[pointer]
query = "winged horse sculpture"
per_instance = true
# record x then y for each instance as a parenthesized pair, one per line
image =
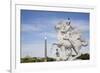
(68, 38)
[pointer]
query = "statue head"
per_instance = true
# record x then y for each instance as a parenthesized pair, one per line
(68, 21)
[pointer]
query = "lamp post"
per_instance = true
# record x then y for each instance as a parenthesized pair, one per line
(45, 48)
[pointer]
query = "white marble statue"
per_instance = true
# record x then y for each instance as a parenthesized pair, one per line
(68, 38)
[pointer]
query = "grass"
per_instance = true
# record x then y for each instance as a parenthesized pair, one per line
(84, 56)
(48, 59)
(35, 59)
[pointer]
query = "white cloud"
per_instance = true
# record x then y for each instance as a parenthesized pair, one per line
(35, 49)
(28, 28)
(48, 34)
(81, 25)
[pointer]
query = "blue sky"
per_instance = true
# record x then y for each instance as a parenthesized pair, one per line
(35, 25)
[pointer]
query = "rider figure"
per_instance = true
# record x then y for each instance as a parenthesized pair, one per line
(62, 28)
